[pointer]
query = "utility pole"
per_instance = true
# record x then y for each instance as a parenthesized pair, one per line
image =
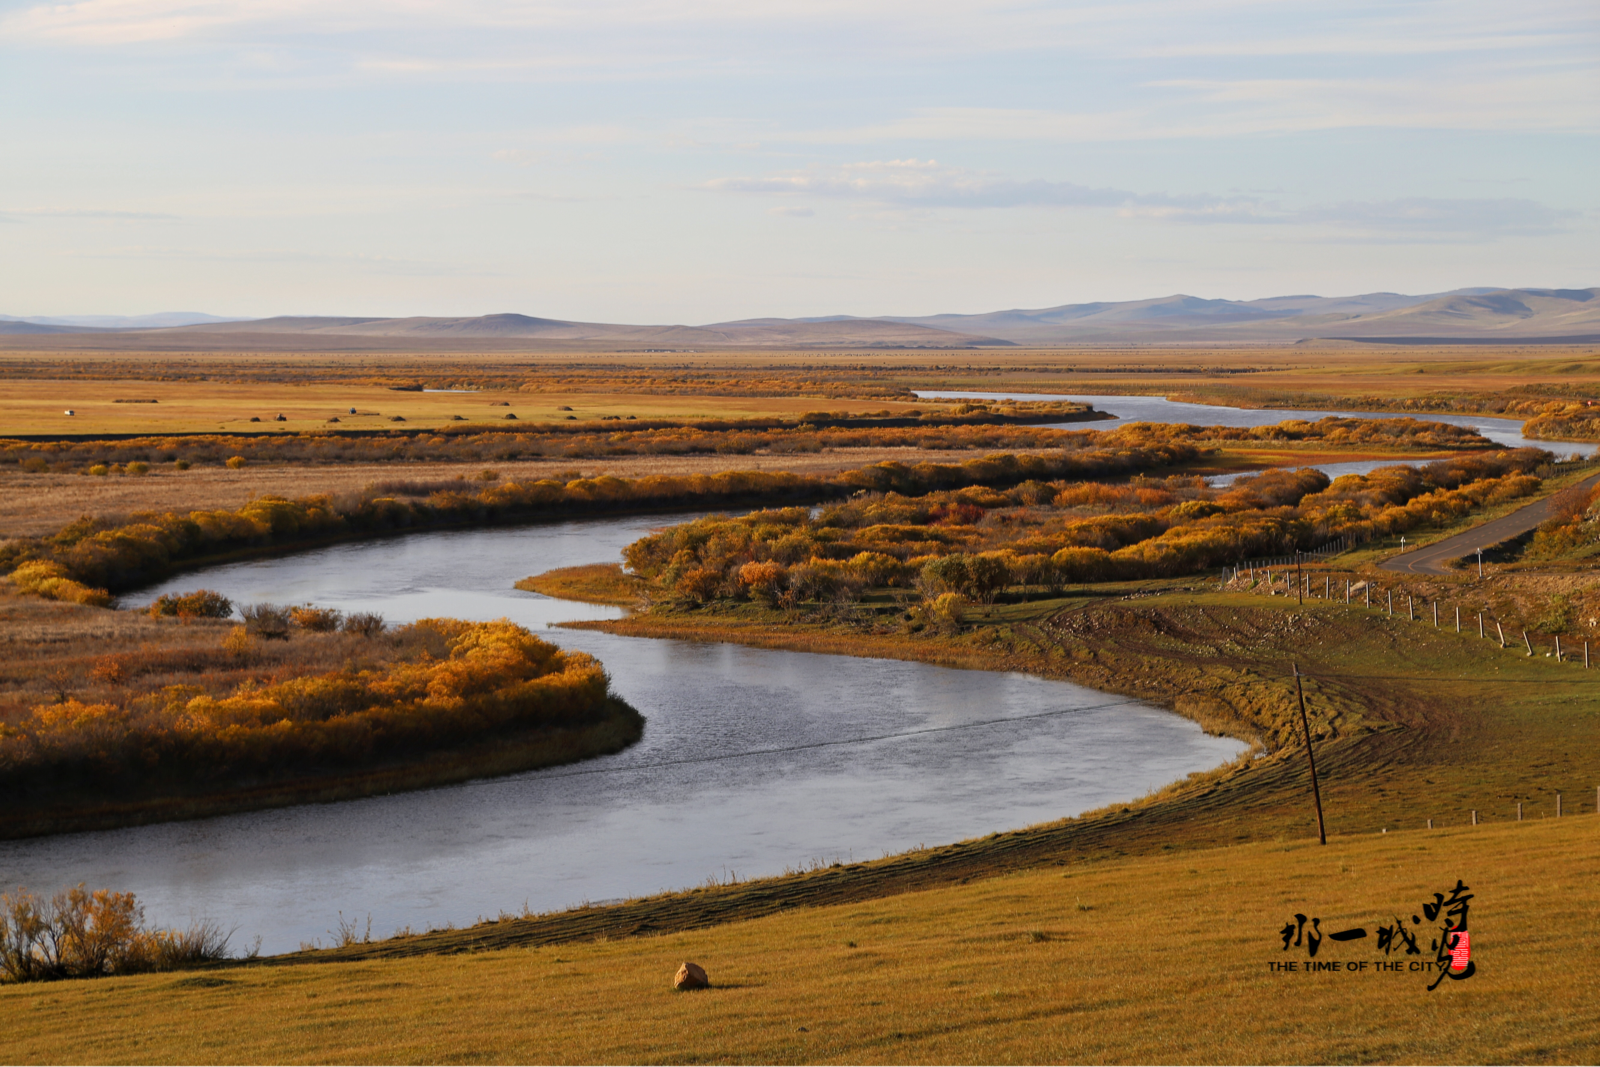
(1316, 794)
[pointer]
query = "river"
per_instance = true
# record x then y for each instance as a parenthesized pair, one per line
(752, 761)
(1504, 432)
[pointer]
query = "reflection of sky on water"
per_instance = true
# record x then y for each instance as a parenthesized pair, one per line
(1506, 432)
(752, 760)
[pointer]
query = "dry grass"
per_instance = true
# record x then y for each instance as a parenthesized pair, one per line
(593, 583)
(1156, 959)
(38, 504)
(38, 406)
(723, 384)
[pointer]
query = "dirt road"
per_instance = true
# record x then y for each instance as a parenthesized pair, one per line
(1431, 560)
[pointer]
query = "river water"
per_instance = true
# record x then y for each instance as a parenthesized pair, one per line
(752, 761)
(1504, 432)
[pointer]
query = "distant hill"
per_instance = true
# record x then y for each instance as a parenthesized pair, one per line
(122, 322)
(1462, 315)
(1483, 315)
(751, 333)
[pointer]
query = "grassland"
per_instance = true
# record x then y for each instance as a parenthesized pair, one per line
(208, 390)
(35, 406)
(1142, 932)
(1148, 959)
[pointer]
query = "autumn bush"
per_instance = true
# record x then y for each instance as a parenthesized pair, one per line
(461, 683)
(980, 540)
(51, 580)
(97, 555)
(316, 620)
(82, 934)
(200, 604)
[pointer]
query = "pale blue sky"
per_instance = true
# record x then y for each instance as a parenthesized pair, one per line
(657, 161)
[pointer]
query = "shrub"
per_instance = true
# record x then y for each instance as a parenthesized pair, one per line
(200, 604)
(235, 462)
(763, 581)
(239, 643)
(464, 683)
(48, 579)
(267, 621)
(181, 464)
(317, 620)
(945, 611)
(79, 934)
(364, 623)
(137, 468)
(99, 470)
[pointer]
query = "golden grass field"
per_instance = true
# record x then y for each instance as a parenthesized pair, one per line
(38, 406)
(1137, 960)
(760, 382)
(207, 392)
(1141, 933)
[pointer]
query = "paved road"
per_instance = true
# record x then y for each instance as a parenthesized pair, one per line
(1431, 560)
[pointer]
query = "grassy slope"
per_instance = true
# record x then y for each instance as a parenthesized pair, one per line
(1149, 959)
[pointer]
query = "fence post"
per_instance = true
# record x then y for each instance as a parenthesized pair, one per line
(1369, 594)
(1391, 601)
(1519, 811)
(1430, 824)
(1347, 590)
(1527, 642)
(1558, 805)
(1480, 626)
(1458, 618)
(1410, 614)
(1474, 816)
(1558, 648)
(1435, 614)
(1586, 655)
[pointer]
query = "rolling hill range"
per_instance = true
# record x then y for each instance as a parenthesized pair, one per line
(1464, 316)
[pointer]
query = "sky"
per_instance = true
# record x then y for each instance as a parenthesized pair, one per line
(707, 160)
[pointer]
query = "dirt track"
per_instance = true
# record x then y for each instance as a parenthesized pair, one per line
(1431, 560)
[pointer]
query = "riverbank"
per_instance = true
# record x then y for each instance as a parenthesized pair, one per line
(619, 726)
(114, 718)
(1396, 747)
(1078, 959)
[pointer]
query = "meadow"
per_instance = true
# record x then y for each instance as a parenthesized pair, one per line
(1141, 959)
(1070, 940)
(222, 390)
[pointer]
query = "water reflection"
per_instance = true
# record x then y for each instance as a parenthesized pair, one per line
(753, 760)
(1504, 432)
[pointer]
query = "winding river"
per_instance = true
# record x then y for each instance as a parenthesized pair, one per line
(752, 761)
(1505, 432)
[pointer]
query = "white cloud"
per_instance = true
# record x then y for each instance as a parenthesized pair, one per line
(914, 183)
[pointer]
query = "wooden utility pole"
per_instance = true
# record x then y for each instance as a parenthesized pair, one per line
(1305, 722)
